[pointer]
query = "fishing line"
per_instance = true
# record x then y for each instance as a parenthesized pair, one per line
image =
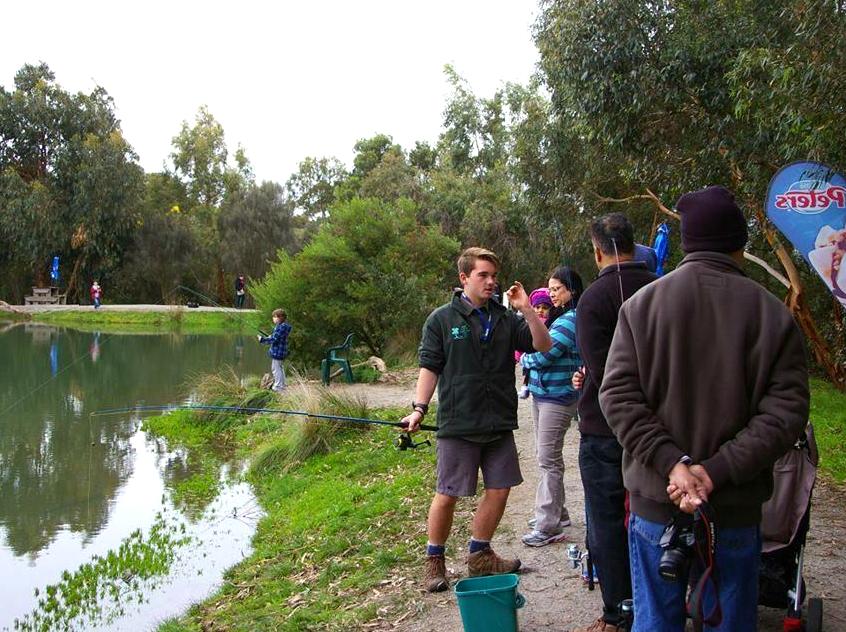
(251, 410)
(81, 356)
(619, 276)
(229, 310)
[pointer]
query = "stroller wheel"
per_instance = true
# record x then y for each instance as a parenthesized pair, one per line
(813, 615)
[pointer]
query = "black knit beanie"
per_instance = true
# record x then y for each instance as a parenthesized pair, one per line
(711, 220)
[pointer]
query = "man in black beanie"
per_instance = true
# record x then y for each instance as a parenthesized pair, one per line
(706, 386)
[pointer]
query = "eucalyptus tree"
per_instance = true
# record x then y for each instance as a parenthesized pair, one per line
(671, 96)
(70, 184)
(312, 187)
(201, 161)
(255, 223)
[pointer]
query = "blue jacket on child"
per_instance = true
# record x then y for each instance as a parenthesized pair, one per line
(278, 341)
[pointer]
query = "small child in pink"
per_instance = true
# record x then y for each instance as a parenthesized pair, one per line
(541, 303)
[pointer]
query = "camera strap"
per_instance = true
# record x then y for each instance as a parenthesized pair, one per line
(705, 539)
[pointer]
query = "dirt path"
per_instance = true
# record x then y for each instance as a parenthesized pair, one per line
(556, 597)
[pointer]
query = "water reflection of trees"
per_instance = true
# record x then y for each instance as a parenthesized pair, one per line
(59, 467)
(179, 466)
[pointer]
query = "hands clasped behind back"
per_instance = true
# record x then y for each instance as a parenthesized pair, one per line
(689, 487)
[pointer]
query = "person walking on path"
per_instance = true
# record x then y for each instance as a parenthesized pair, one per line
(600, 455)
(706, 387)
(553, 408)
(240, 291)
(467, 352)
(96, 293)
(278, 341)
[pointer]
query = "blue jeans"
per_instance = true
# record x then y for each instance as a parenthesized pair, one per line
(660, 604)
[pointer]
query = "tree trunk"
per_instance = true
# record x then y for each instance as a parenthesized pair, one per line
(73, 279)
(796, 303)
(222, 296)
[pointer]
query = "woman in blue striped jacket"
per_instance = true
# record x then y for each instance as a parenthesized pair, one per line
(553, 407)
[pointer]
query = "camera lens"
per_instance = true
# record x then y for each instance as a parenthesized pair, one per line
(673, 564)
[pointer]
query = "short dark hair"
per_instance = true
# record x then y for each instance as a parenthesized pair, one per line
(280, 314)
(571, 280)
(612, 230)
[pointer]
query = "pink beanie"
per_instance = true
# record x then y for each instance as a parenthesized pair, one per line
(540, 296)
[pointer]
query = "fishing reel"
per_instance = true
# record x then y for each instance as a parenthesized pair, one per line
(405, 442)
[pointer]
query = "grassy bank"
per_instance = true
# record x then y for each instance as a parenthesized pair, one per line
(339, 546)
(176, 319)
(828, 414)
(345, 515)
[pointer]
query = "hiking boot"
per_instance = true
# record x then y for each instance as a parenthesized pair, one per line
(434, 574)
(599, 626)
(486, 562)
(542, 538)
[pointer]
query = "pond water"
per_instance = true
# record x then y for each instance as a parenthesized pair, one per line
(73, 486)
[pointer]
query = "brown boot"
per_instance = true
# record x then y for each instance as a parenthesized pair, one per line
(486, 562)
(434, 574)
(599, 626)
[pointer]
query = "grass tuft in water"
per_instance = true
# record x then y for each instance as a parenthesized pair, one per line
(101, 589)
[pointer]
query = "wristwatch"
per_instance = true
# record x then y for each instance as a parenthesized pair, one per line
(686, 460)
(420, 408)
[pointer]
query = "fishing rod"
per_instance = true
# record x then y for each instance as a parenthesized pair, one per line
(209, 299)
(403, 442)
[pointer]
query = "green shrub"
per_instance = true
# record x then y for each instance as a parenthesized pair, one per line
(371, 269)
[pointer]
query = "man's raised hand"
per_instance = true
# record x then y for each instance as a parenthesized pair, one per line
(517, 297)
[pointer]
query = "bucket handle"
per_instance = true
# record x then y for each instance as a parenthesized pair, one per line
(519, 599)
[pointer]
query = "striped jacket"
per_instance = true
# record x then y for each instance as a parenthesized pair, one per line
(550, 372)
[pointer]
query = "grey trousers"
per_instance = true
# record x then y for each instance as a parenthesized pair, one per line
(278, 370)
(551, 423)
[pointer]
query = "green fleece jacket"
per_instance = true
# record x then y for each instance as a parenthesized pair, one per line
(705, 362)
(476, 392)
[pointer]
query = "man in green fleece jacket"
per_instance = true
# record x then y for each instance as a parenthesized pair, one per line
(705, 387)
(467, 351)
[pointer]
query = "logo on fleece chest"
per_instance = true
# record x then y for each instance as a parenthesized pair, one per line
(460, 332)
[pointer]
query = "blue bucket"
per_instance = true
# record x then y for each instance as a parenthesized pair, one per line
(489, 604)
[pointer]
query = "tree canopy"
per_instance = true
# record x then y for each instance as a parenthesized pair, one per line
(634, 103)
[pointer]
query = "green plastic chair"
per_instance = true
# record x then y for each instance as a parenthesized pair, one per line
(337, 355)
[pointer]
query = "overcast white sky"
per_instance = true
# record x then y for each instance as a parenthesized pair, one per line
(285, 79)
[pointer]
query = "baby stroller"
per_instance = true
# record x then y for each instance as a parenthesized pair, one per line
(784, 527)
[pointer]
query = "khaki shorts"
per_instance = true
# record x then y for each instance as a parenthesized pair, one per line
(459, 462)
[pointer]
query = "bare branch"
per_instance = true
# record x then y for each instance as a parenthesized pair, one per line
(775, 274)
(649, 195)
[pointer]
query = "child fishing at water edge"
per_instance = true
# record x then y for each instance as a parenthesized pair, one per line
(278, 351)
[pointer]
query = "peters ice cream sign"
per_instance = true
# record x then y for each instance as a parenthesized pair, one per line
(807, 202)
